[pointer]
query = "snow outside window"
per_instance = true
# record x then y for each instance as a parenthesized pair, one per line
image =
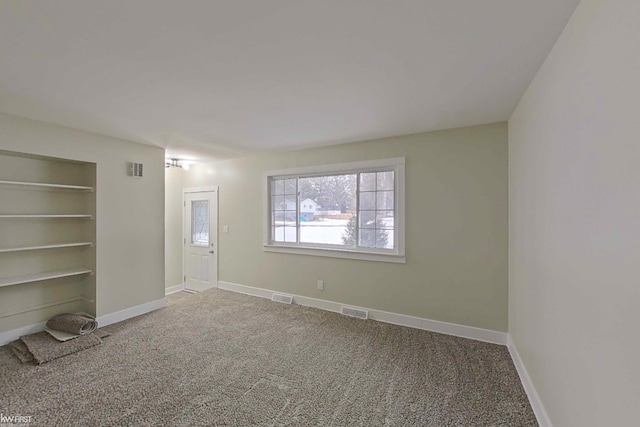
(353, 210)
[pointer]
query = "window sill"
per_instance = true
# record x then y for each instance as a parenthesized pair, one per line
(336, 253)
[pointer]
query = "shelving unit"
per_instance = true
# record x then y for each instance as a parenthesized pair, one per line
(35, 216)
(43, 276)
(36, 248)
(47, 238)
(48, 185)
(56, 303)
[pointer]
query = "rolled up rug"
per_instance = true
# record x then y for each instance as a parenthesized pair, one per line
(77, 324)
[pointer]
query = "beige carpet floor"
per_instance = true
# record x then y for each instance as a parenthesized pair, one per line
(224, 359)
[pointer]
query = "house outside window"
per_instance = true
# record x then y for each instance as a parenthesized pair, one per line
(348, 210)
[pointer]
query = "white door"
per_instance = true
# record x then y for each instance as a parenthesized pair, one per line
(201, 240)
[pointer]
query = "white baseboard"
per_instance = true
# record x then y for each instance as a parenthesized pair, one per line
(128, 313)
(534, 398)
(173, 289)
(479, 334)
(14, 334)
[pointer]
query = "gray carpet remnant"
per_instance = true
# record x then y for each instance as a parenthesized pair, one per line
(42, 347)
(224, 359)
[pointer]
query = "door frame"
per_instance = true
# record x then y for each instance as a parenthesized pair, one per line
(191, 190)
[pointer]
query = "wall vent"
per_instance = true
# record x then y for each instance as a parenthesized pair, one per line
(135, 169)
(355, 312)
(285, 299)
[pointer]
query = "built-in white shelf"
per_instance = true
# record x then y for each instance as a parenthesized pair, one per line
(80, 298)
(48, 185)
(43, 276)
(35, 248)
(46, 216)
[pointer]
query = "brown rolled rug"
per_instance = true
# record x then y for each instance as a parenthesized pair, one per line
(77, 324)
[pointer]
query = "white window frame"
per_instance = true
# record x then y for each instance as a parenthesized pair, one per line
(397, 255)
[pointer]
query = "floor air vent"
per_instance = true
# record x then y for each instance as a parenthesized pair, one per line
(355, 312)
(285, 299)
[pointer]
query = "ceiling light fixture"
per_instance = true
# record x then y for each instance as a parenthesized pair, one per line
(176, 163)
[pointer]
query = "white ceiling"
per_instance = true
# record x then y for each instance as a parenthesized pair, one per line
(215, 79)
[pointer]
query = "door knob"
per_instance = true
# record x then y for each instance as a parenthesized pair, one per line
(211, 252)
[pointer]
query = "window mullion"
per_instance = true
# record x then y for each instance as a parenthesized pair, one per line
(271, 219)
(297, 210)
(375, 212)
(395, 210)
(357, 225)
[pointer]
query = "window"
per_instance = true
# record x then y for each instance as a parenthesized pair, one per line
(200, 223)
(349, 210)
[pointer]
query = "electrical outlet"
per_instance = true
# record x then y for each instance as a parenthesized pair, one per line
(225, 228)
(321, 285)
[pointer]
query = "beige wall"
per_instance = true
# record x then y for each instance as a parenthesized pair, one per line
(574, 143)
(173, 226)
(456, 240)
(130, 211)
